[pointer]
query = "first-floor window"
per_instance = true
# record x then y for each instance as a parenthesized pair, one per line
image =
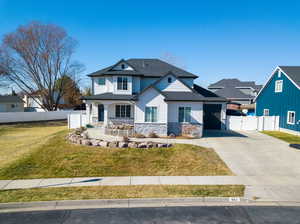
(184, 114)
(151, 114)
(291, 117)
(266, 112)
(123, 111)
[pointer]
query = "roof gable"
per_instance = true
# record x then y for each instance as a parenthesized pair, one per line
(291, 72)
(176, 84)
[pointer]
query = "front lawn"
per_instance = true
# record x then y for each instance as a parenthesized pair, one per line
(18, 140)
(58, 158)
(293, 139)
(118, 192)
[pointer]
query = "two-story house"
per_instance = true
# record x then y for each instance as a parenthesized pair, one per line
(280, 96)
(154, 97)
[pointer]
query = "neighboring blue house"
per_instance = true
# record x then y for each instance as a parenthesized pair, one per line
(280, 96)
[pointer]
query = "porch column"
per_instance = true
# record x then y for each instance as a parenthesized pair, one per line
(105, 122)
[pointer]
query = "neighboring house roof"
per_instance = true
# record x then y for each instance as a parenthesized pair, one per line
(10, 99)
(233, 93)
(224, 83)
(293, 72)
(109, 96)
(209, 95)
(144, 67)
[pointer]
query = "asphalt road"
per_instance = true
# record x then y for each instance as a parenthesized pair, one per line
(162, 215)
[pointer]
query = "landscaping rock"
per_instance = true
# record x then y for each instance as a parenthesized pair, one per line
(84, 135)
(142, 145)
(95, 142)
(103, 144)
(154, 145)
(132, 145)
(113, 144)
(85, 142)
(162, 145)
(149, 145)
(123, 144)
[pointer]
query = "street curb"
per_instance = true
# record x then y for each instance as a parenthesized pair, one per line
(119, 203)
(136, 203)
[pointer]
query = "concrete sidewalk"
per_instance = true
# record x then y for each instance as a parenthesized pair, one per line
(125, 181)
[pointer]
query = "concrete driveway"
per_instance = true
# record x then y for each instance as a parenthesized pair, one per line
(253, 153)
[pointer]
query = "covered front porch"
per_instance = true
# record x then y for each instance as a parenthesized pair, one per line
(110, 113)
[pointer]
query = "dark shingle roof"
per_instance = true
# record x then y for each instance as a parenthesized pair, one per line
(293, 72)
(232, 93)
(182, 96)
(235, 83)
(10, 99)
(109, 96)
(209, 95)
(145, 67)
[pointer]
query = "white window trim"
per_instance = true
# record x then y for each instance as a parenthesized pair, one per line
(279, 74)
(277, 83)
(125, 90)
(265, 112)
(150, 122)
(288, 113)
(185, 122)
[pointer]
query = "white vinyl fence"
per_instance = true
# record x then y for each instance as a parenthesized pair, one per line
(77, 120)
(250, 123)
(14, 117)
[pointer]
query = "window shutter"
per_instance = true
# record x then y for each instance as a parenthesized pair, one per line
(181, 114)
(128, 107)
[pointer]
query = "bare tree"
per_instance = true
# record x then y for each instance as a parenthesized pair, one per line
(35, 56)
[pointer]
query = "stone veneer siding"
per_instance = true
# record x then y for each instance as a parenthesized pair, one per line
(185, 129)
(120, 121)
(160, 129)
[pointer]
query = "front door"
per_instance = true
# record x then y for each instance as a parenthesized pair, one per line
(212, 116)
(100, 113)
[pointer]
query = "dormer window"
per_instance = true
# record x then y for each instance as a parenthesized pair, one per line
(122, 66)
(169, 80)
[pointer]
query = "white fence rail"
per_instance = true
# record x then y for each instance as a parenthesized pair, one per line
(249, 123)
(14, 117)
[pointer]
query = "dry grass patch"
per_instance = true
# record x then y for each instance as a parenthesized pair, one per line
(293, 139)
(20, 139)
(118, 192)
(58, 158)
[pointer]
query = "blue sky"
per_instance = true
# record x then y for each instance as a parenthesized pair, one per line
(213, 39)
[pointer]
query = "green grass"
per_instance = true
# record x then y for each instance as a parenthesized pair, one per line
(18, 140)
(118, 192)
(293, 139)
(58, 158)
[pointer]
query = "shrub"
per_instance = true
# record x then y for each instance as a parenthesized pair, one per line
(153, 135)
(89, 126)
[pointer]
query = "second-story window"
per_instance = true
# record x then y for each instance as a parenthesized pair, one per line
(122, 83)
(101, 81)
(278, 86)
